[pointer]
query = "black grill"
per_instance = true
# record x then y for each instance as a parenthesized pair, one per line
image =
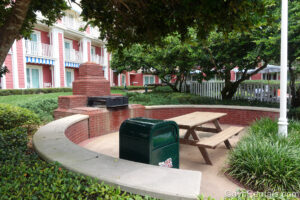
(108, 101)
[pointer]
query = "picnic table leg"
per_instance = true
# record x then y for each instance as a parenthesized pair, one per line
(217, 125)
(201, 149)
(227, 143)
(205, 155)
(219, 129)
(187, 134)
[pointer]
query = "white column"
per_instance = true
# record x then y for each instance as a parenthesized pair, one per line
(24, 63)
(84, 44)
(105, 63)
(3, 82)
(55, 47)
(15, 72)
(282, 122)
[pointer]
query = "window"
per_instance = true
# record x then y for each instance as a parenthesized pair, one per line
(93, 51)
(123, 79)
(34, 77)
(68, 48)
(69, 77)
(271, 76)
(33, 46)
(149, 79)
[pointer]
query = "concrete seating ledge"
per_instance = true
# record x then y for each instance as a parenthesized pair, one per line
(51, 143)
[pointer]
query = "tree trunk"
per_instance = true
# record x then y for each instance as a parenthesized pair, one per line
(229, 90)
(10, 30)
(292, 86)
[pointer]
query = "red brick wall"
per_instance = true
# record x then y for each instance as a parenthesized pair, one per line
(102, 121)
(61, 60)
(78, 132)
(20, 61)
(234, 116)
(76, 74)
(9, 75)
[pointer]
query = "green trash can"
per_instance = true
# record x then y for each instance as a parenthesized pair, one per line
(150, 141)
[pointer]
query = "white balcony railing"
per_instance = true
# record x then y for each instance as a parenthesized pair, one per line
(94, 31)
(72, 23)
(71, 55)
(38, 49)
(97, 59)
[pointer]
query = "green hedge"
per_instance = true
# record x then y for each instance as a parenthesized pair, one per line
(13, 116)
(25, 176)
(264, 161)
(7, 92)
(164, 98)
(130, 87)
(43, 108)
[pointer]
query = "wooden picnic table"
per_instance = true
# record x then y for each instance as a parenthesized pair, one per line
(193, 122)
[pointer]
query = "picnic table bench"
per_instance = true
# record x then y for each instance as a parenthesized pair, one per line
(193, 122)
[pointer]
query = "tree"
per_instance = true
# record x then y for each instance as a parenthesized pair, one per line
(294, 50)
(18, 18)
(124, 22)
(171, 59)
(250, 51)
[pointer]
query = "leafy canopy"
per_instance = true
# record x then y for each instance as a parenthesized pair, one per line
(124, 22)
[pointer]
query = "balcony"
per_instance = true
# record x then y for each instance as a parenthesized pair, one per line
(97, 59)
(72, 23)
(71, 55)
(38, 49)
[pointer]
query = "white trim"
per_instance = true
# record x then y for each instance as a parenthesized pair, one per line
(38, 33)
(72, 76)
(24, 62)
(3, 80)
(55, 46)
(40, 69)
(144, 76)
(15, 72)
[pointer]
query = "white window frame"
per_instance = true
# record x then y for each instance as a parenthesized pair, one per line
(71, 47)
(38, 34)
(72, 76)
(144, 76)
(40, 69)
(123, 75)
(94, 48)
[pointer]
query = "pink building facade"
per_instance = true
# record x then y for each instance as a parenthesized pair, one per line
(51, 57)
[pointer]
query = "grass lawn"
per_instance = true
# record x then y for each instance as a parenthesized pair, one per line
(22, 99)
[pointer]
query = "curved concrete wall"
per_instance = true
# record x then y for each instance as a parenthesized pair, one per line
(53, 143)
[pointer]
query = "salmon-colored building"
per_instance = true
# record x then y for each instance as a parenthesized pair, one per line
(51, 57)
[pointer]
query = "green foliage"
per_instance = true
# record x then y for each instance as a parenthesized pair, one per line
(163, 98)
(13, 116)
(7, 92)
(173, 58)
(25, 176)
(43, 108)
(131, 87)
(50, 9)
(264, 161)
(12, 143)
(124, 23)
(294, 113)
(162, 89)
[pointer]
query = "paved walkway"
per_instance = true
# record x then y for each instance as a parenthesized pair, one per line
(214, 183)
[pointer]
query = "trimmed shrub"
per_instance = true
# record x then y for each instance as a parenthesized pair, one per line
(130, 87)
(13, 116)
(7, 92)
(294, 113)
(12, 143)
(163, 89)
(43, 108)
(264, 161)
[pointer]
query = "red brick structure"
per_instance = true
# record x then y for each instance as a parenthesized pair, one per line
(91, 81)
